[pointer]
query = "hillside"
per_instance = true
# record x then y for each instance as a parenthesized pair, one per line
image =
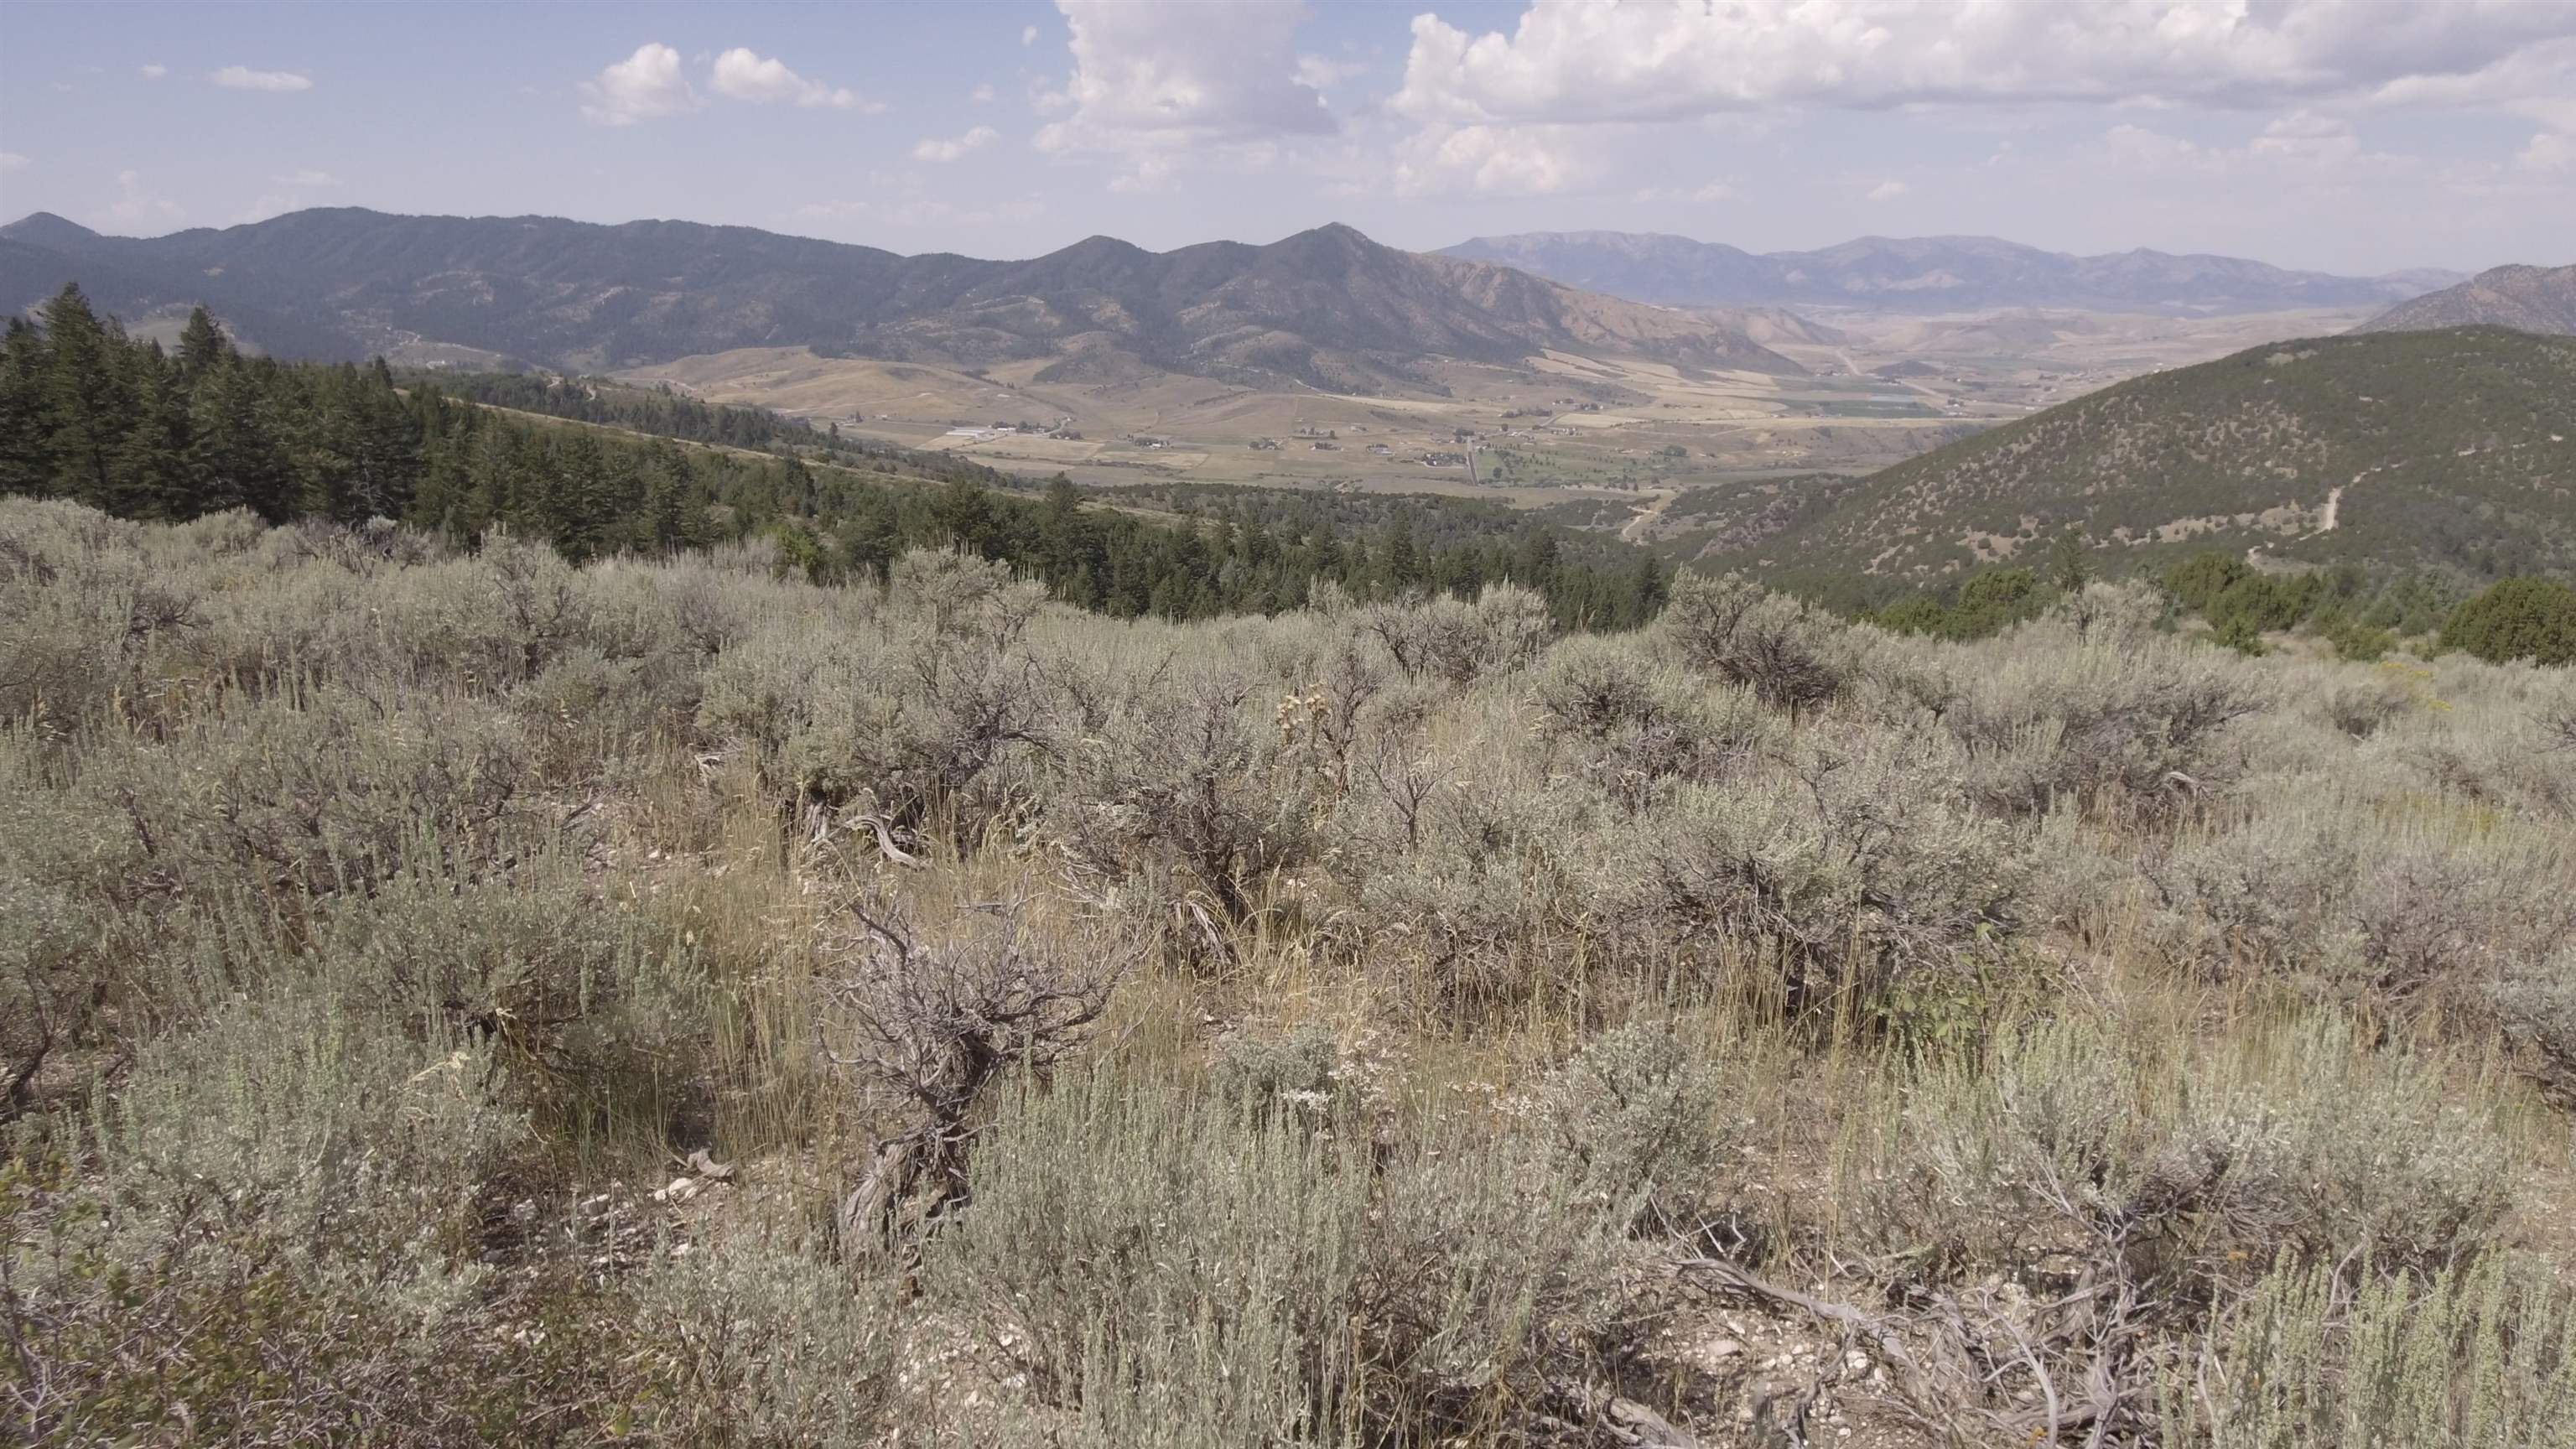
(95, 417)
(2527, 299)
(2454, 450)
(1326, 308)
(1926, 274)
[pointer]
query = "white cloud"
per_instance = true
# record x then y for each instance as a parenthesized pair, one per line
(2300, 149)
(1028, 35)
(243, 78)
(1167, 74)
(1494, 160)
(155, 71)
(1322, 73)
(2307, 137)
(1599, 60)
(745, 76)
(1887, 190)
(134, 203)
(12, 161)
(2141, 146)
(2549, 151)
(1713, 191)
(1152, 172)
(982, 94)
(643, 86)
(935, 148)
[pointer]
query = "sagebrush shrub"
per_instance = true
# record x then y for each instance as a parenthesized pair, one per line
(1859, 862)
(2537, 1002)
(2135, 727)
(745, 1341)
(1638, 1119)
(1188, 779)
(296, 1189)
(2450, 1360)
(1765, 642)
(2071, 1130)
(1458, 641)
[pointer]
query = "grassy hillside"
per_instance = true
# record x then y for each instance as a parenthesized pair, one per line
(2449, 450)
(461, 998)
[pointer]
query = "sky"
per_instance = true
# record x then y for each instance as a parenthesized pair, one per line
(2356, 136)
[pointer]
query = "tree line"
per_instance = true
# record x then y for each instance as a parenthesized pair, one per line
(91, 414)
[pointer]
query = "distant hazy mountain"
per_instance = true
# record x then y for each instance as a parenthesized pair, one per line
(2527, 299)
(2452, 449)
(1329, 307)
(1941, 273)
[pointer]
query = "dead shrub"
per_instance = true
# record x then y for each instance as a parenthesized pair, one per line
(931, 1020)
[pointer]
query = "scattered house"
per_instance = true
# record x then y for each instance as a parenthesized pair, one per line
(1381, 449)
(972, 434)
(1444, 460)
(1265, 445)
(1325, 447)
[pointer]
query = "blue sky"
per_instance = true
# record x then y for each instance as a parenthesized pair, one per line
(2352, 135)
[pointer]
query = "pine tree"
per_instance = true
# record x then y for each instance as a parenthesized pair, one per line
(150, 470)
(84, 410)
(2069, 567)
(202, 347)
(26, 439)
(1402, 561)
(234, 457)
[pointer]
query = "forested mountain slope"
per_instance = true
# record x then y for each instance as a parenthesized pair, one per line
(1327, 308)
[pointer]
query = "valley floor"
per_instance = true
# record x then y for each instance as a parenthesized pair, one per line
(1886, 388)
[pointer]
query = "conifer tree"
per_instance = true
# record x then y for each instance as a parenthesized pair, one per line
(84, 407)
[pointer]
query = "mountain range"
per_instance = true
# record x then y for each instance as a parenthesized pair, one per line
(1928, 274)
(2449, 449)
(2528, 299)
(1326, 308)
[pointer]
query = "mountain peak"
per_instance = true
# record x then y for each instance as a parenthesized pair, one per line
(2525, 298)
(1331, 234)
(44, 229)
